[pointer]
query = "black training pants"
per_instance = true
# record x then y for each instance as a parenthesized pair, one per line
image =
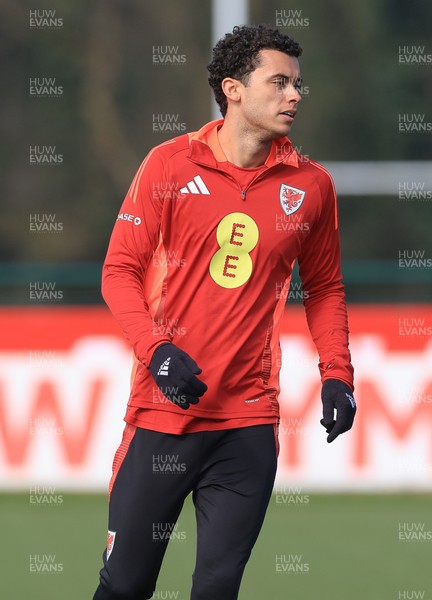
(231, 474)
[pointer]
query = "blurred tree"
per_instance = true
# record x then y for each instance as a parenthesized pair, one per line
(113, 93)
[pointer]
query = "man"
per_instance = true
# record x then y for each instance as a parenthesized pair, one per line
(193, 275)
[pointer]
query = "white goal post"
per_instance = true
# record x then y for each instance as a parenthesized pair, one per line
(385, 178)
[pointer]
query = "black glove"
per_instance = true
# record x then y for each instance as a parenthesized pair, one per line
(174, 372)
(335, 394)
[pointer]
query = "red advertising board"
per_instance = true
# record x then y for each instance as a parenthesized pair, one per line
(64, 377)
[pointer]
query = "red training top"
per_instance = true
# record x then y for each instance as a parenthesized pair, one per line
(201, 256)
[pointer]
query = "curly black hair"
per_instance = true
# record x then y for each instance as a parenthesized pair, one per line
(236, 55)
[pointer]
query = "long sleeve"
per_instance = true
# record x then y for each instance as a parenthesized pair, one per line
(324, 296)
(134, 240)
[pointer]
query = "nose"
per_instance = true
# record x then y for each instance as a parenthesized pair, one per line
(293, 94)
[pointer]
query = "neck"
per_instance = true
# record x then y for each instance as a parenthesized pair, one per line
(241, 145)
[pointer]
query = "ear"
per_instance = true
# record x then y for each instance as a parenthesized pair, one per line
(232, 89)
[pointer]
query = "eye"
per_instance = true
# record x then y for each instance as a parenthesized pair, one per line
(280, 82)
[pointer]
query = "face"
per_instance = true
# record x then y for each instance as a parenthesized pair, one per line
(269, 100)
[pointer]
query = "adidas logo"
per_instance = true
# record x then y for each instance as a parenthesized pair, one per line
(163, 369)
(351, 399)
(196, 186)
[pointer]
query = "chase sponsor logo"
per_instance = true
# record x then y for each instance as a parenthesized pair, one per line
(130, 218)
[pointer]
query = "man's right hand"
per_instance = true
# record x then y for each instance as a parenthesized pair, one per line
(174, 372)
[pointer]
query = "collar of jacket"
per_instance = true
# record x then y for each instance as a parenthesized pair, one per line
(282, 150)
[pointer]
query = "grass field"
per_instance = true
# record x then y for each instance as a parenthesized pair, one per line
(346, 547)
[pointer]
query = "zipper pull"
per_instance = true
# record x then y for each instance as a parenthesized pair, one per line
(243, 194)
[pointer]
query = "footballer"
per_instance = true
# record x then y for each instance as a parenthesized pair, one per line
(193, 275)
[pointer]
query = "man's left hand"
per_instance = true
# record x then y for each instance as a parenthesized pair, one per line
(335, 394)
